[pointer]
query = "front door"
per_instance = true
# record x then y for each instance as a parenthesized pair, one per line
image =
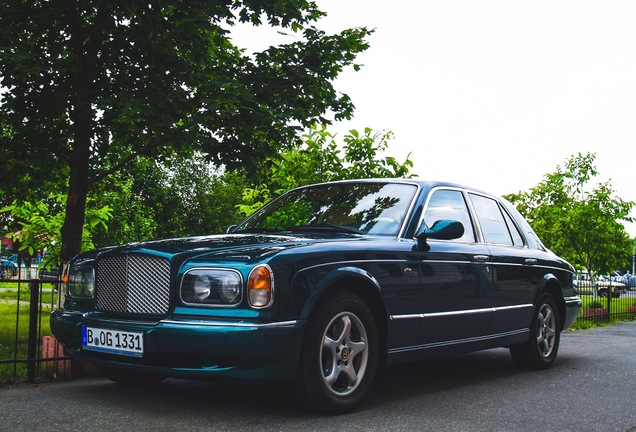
(456, 278)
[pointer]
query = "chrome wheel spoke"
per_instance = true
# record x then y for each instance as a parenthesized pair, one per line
(344, 354)
(329, 360)
(546, 330)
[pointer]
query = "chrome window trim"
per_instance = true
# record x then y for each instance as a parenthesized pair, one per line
(471, 214)
(502, 208)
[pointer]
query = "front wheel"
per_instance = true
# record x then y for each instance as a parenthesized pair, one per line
(339, 360)
(540, 351)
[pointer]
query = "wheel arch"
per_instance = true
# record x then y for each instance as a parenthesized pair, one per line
(365, 286)
(552, 286)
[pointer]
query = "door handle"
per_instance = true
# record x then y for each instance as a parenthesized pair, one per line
(531, 261)
(481, 258)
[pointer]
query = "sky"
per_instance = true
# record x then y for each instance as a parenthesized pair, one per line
(492, 94)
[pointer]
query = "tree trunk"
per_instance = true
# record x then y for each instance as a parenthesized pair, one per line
(85, 53)
(78, 189)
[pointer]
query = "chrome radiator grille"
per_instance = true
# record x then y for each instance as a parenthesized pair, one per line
(133, 283)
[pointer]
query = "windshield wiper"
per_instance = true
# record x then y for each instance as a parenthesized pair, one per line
(256, 230)
(326, 227)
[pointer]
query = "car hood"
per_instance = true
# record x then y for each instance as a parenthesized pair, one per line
(227, 246)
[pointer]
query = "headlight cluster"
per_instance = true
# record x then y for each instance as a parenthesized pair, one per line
(81, 282)
(211, 287)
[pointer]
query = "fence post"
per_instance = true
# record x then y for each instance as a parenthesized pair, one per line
(32, 343)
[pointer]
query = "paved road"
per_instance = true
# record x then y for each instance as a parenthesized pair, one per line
(592, 387)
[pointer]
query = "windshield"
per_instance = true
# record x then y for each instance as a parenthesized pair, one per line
(361, 208)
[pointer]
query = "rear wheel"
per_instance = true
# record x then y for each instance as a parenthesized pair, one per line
(339, 360)
(540, 351)
(127, 377)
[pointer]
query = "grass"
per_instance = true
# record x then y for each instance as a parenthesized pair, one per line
(47, 297)
(46, 293)
(14, 325)
(618, 309)
(619, 305)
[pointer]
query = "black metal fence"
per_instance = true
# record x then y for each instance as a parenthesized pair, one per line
(27, 349)
(620, 306)
(29, 353)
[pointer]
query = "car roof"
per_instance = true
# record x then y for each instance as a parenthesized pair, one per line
(424, 184)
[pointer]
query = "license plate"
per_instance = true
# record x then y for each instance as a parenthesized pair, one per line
(113, 341)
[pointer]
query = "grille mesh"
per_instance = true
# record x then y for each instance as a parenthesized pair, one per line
(133, 283)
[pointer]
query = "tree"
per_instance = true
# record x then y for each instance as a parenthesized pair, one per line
(176, 199)
(320, 159)
(93, 86)
(579, 222)
(39, 226)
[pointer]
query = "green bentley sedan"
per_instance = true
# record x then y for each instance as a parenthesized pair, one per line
(320, 289)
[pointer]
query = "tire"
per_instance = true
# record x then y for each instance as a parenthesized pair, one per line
(339, 360)
(128, 377)
(602, 293)
(540, 351)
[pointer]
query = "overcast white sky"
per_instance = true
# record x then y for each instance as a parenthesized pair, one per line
(493, 94)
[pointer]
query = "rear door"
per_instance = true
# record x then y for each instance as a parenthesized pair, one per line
(516, 272)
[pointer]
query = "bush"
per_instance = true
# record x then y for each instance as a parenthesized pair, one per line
(595, 304)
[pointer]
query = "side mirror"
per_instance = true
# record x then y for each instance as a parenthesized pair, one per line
(230, 229)
(443, 230)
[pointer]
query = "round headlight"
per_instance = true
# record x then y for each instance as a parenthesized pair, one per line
(75, 284)
(88, 282)
(211, 287)
(81, 282)
(201, 287)
(229, 287)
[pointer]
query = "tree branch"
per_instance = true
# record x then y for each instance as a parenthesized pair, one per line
(145, 151)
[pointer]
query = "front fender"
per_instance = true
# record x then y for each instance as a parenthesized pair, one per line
(310, 285)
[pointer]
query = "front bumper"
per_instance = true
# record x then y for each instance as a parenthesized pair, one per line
(572, 308)
(192, 348)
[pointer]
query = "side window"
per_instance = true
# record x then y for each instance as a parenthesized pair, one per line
(492, 222)
(517, 238)
(449, 204)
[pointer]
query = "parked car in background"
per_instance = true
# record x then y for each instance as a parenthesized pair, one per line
(586, 285)
(619, 279)
(322, 287)
(8, 268)
(51, 274)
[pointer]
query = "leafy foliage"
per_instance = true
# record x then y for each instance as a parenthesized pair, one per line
(40, 223)
(580, 222)
(95, 86)
(320, 159)
(176, 198)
